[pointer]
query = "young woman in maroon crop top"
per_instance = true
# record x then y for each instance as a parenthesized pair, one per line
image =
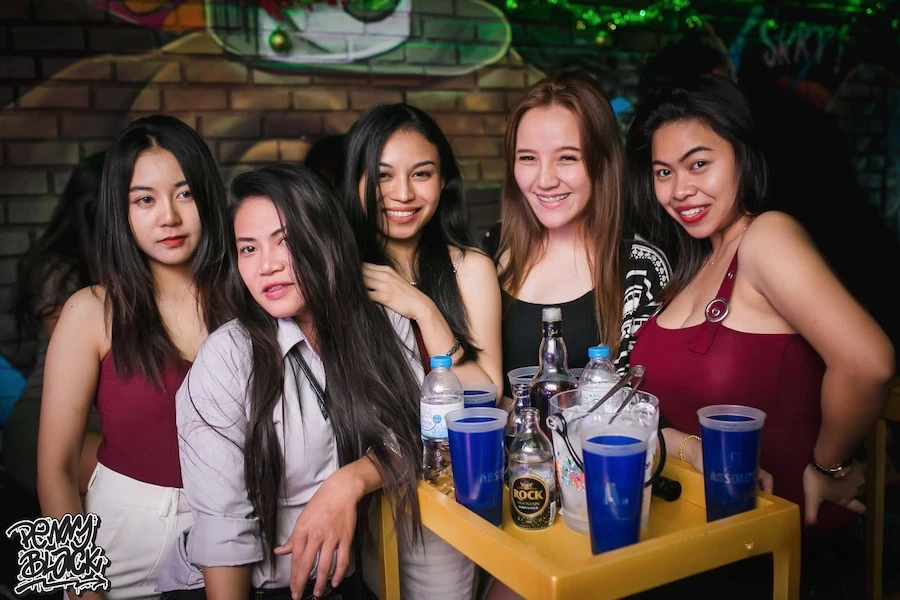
(753, 315)
(706, 178)
(127, 343)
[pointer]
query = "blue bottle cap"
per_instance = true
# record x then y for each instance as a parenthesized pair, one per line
(441, 361)
(601, 351)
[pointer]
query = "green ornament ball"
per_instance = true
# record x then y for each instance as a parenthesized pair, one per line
(279, 41)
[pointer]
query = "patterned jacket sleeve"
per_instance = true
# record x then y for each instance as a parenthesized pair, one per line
(647, 271)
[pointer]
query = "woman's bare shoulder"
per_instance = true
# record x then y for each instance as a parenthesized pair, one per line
(473, 264)
(83, 315)
(87, 300)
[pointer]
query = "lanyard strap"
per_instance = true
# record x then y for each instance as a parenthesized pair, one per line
(301, 362)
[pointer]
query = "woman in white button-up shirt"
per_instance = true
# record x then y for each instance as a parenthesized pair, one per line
(296, 410)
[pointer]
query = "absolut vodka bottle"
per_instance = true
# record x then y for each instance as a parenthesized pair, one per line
(553, 376)
(531, 475)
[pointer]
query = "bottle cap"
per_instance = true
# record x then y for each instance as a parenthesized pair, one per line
(441, 361)
(551, 314)
(601, 351)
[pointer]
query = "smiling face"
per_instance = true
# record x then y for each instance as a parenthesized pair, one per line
(164, 220)
(264, 260)
(409, 185)
(549, 165)
(695, 176)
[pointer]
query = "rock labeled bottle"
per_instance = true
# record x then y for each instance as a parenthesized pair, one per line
(532, 477)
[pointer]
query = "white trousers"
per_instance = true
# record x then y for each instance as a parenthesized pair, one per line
(430, 570)
(139, 522)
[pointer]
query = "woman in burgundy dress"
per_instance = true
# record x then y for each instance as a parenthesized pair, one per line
(753, 315)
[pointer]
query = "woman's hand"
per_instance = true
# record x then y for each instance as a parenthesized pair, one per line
(819, 488)
(694, 453)
(387, 288)
(324, 529)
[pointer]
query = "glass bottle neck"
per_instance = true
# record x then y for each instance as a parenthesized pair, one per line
(530, 418)
(552, 328)
(553, 352)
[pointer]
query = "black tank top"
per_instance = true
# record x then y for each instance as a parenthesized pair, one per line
(646, 273)
(522, 331)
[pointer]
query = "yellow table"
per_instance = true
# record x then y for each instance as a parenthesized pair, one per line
(557, 562)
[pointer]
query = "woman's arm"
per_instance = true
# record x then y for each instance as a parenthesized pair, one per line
(211, 420)
(325, 527)
(71, 372)
(689, 448)
(786, 269)
(480, 293)
(227, 583)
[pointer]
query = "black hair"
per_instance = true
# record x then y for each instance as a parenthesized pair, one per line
(61, 260)
(681, 61)
(719, 104)
(140, 343)
(432, 268)
(371, 395)
(326, 158)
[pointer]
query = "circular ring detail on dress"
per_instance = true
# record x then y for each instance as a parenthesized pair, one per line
(716, 310)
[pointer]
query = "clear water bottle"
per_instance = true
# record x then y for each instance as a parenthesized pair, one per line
(598, 376)
(531, 475)
(441, 393)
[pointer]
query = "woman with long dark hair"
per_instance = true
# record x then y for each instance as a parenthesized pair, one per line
(125, 345)
(403, 192)
(753, 314)
(297, 409)
(59, 263)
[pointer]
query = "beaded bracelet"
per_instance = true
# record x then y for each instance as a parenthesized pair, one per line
(685, 441)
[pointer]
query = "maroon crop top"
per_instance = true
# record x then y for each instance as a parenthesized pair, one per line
(138, 420)
(709, 363)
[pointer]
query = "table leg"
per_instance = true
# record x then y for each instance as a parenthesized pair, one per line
(786, 565)
(387, 545)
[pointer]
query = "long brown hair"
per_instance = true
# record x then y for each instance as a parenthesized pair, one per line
(523, 240)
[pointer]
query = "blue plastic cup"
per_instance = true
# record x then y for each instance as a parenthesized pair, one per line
(476, 457)
(480, 395)
(730, 440)
(614, 482)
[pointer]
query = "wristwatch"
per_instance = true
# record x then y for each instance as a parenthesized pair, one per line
(838, 472)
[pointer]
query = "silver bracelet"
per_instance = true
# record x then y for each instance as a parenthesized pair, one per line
(453, 348)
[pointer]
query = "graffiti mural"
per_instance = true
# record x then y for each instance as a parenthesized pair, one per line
(378, 36)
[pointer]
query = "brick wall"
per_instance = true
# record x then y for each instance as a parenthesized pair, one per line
(56, 109)
(72, 75)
